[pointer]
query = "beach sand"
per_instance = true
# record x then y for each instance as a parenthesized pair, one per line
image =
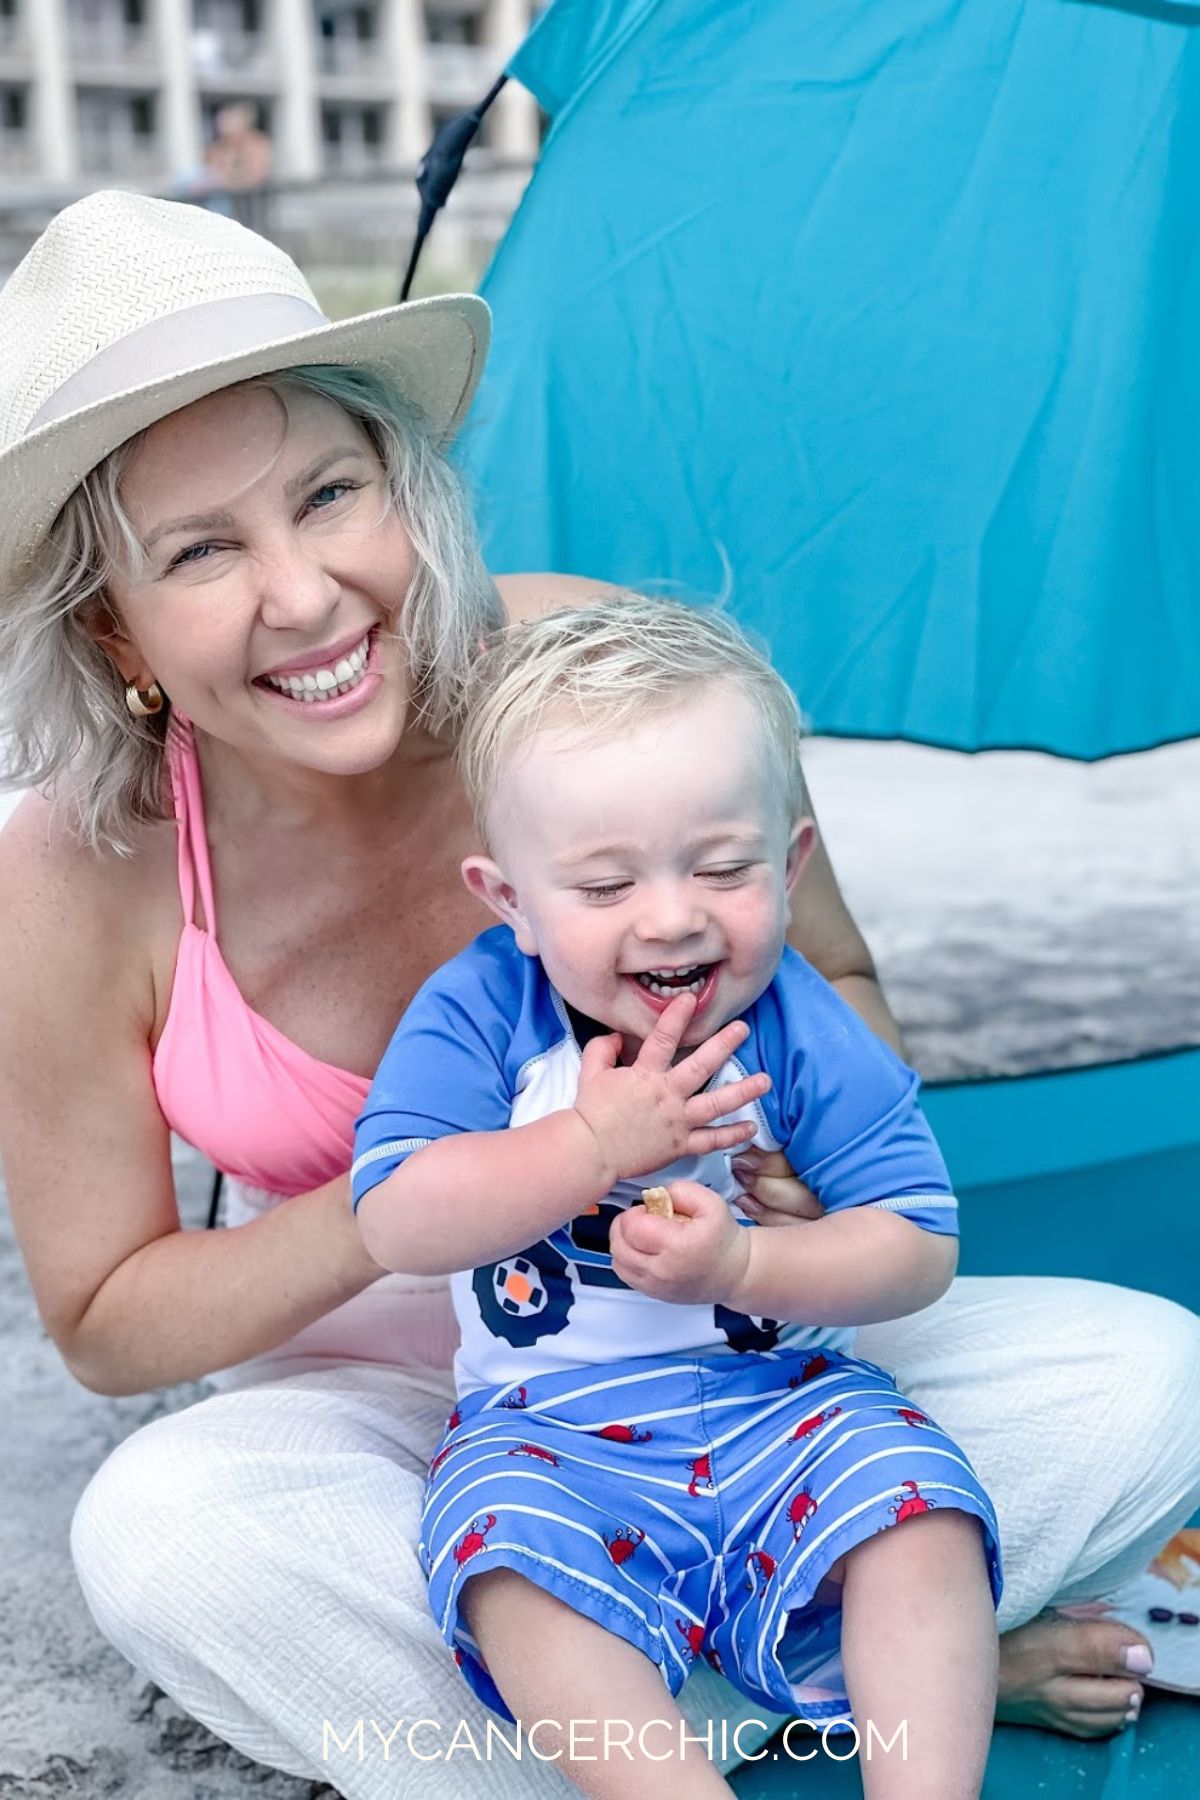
(1025, 913)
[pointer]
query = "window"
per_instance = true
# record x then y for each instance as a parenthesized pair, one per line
(14, 109)
(452, 27)
(228, 15)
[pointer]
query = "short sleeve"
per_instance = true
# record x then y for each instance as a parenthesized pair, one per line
(445, 1071)
(845, 1107)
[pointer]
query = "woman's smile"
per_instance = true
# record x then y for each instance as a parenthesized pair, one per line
(343, 682)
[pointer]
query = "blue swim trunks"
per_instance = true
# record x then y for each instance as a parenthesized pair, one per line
(691, 1505)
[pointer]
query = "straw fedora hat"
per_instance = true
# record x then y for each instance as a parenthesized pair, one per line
(127, 308)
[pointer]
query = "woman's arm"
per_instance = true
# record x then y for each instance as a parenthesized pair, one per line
(825, 934)
(132, 1301)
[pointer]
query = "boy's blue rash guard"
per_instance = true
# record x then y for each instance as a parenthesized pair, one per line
(488, 1043)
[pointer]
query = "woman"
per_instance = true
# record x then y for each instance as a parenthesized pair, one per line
(248, 550)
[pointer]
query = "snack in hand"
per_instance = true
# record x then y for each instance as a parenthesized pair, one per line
(657, 1200)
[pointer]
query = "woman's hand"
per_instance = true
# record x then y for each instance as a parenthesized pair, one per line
(771, 1194)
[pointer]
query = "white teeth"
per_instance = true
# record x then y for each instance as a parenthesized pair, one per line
(665, 990)
(315, 685)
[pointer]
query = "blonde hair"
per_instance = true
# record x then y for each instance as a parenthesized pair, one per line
(62, 700)
(608, 666)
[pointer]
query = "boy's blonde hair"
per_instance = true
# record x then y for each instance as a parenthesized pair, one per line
(607, 666)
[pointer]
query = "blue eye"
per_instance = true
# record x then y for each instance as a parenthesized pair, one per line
(336, 488)
(192, 554)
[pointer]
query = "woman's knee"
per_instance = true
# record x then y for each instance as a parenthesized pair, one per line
(212, 1512)
(137, 1532)
(161, 1519)
(1164, 1340)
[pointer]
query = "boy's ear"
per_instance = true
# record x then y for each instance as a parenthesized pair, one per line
(801, 845)
(487, 881)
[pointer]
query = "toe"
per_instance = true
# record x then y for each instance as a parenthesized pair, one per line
(1102, 1647)
(1091, 1706)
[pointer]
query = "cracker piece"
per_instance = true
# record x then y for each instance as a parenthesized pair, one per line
(657, 1200)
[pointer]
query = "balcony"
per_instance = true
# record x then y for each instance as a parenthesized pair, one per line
(459, 74)
(351, 158)
(17, 153)
(349, 56)
(110, 53)
(131, 159)
(222, 57)
(14, 43)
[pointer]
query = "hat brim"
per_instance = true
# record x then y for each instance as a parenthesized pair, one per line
(433, 350)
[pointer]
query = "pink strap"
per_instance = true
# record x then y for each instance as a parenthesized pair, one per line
(188, 797)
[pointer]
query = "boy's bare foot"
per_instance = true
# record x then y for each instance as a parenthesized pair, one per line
(1070, 1675)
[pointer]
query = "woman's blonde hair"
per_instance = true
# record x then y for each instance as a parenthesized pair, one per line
(62, 701)
(609, 665)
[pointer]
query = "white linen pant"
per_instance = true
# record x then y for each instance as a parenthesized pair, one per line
(255, 1554)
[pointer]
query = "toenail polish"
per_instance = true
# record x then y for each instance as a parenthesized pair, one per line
(1137, 1659)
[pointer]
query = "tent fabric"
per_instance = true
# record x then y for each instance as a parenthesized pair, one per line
(882, 322)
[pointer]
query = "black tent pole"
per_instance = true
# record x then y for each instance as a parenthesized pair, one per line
(439, 170)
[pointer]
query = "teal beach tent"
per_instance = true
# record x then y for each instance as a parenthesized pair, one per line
(885, 320)
(883, 323)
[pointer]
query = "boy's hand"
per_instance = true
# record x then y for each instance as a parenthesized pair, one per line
(698, 1257)
(650, 1114)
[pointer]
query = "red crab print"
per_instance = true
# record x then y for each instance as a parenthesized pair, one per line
(623, 1434)
(534, 1450)
(454, 1421)
(701, 1472)
(816, 1365)
(916, 1503)
(759, 1563)
(515, 1401)
(472, 1541)
(693, 1637)
(622, 1544)
(800, 1511)
(806, 1427)
(911, 1416)
(446, 1450)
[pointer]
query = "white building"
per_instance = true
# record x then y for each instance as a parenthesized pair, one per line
(99, 91)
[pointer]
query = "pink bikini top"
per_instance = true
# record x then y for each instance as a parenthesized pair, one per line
(228, 1081)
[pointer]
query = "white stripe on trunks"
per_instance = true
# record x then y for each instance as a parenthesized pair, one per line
(767, 1629)
(893, 1450)
(622, 1598)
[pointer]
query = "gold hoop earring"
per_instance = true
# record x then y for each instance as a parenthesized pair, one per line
(143, 703)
